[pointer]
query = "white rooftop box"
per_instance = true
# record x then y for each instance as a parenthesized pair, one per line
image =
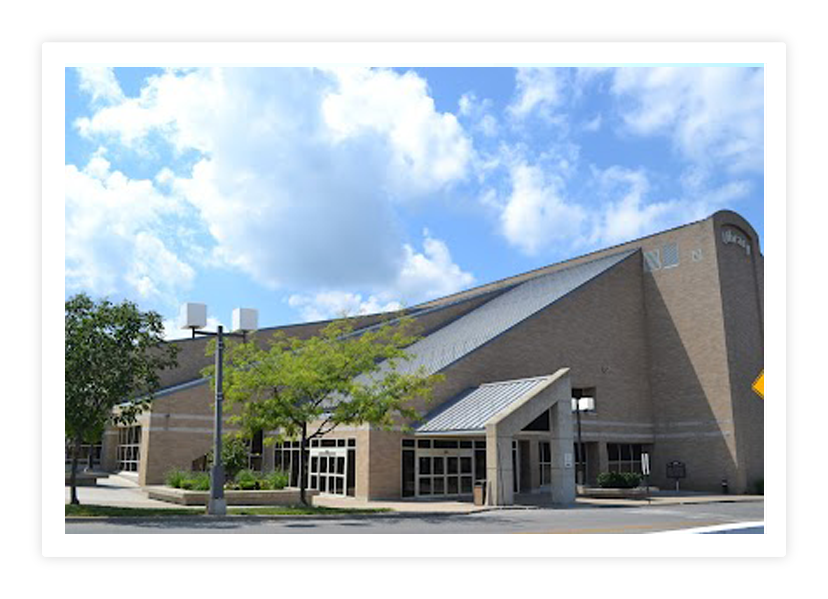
(245, 319)
(193, 316)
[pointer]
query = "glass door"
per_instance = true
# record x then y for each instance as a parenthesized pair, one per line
(444, 473)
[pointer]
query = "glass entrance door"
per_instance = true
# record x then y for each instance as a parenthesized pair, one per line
(329, 470)
(445, 473)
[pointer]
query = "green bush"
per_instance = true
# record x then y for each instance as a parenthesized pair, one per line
(248, 480)
(275, 480)
(201, 481)
(181, 479)
(759, 486)
(619, 480)
(174, 478)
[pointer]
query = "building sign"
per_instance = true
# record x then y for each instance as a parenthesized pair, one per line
(731, 236)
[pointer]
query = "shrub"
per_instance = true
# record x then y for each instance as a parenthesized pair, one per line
(276, 480)
(174, 478)
(759, 486)
(619, 480)
(201, 481)
(247, 480)
(181, 479)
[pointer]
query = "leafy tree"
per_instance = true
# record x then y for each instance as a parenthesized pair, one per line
(305, 388)
(114, 353)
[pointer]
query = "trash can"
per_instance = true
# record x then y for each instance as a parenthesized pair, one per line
(480, 492)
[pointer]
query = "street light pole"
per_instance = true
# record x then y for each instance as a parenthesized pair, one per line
(217, 505)
(194, 317)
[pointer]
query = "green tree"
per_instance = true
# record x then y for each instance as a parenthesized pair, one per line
(305, 388)
(114, 353)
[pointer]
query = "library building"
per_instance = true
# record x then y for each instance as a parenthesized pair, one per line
(642, 352)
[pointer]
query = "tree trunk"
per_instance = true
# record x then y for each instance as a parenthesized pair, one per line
(73, 478)
(302, 479)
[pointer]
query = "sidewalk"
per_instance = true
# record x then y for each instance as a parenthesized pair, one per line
(121, 491)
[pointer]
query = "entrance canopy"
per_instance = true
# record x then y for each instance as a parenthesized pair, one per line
(469, 412)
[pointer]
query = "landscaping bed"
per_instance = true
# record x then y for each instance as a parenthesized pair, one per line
(281, 497)
(103, 511)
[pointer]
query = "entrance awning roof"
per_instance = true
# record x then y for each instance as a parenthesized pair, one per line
(472, 409)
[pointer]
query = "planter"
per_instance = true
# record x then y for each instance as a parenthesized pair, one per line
(288, 496)
(599, 493)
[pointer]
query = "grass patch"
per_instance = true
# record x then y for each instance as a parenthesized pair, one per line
(92, 511)
(300, 510)
(103, 511)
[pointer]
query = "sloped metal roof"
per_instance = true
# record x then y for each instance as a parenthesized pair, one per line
(469, 332)
(471, 410)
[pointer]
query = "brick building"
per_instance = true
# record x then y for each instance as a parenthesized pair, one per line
(664, 333)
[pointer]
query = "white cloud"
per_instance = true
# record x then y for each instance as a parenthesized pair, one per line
(111, 235)
(538, 89)
(714, 115)
(430, 274)
(299, 169)
(423, 276)
(101, 84)
(627, 212)
(536, 215)
(429, 149)
(327, 305)
(479, 114)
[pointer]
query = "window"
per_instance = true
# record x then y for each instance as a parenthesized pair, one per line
(254, 448)
(670, 256)
(624, 457)
(652, 261)
(129, 448)
(545, 459)
(286, 458)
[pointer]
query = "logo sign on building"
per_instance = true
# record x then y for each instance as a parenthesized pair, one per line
(645, 464)
(730, 236)
(759, 385)
(567, 460)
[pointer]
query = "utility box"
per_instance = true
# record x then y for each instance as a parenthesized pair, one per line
(245, 320)
(193, 316)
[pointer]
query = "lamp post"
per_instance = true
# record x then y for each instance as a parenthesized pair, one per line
(194, 317)
(581, 404)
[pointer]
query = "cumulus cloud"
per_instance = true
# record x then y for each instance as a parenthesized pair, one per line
(298, 172)
(537, 215)
(112, 235)
(327, 305)
(627, 211)
(424, 275)
(713, 115)
(538, 90)
(101, 84)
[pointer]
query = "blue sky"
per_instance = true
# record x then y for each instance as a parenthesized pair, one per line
(307, 193)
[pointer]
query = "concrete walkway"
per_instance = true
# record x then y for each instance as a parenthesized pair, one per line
(122, 491)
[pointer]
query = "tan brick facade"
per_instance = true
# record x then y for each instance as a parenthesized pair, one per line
(671, 352)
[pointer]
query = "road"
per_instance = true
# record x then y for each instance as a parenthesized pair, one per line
(577, 520)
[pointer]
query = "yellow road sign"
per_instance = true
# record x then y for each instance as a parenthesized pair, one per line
(759, 385)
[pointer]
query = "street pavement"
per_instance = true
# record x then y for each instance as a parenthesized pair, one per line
(666, 512)
(575, 520)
